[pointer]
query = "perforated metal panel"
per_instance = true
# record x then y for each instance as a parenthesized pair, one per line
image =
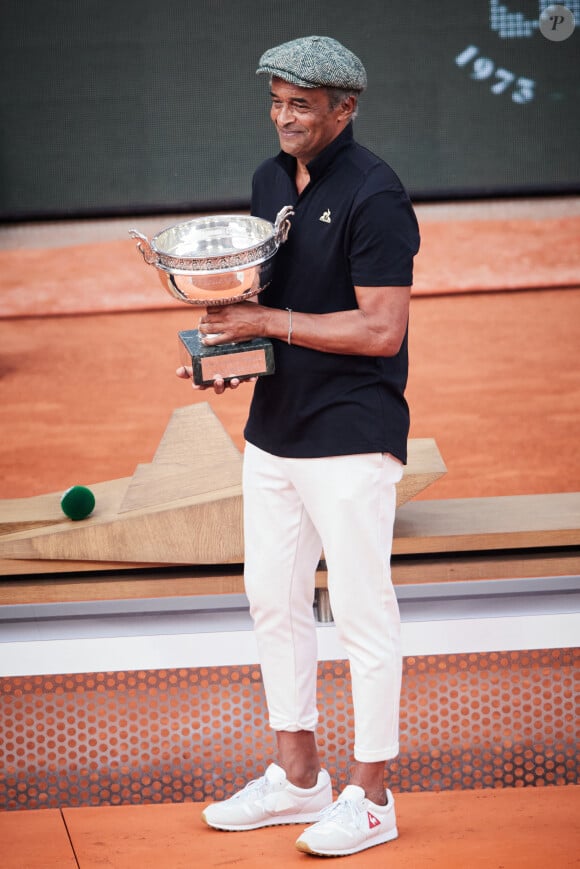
(467, 721)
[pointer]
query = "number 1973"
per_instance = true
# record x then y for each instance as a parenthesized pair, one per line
(482, 68)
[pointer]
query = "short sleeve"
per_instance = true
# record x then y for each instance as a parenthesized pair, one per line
(384, 238)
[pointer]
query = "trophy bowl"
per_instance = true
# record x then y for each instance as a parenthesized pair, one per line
(215, 260)
(218, 260)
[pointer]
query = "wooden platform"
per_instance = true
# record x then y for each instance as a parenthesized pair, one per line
(526, 828)
(175, 528)
(185, 507)
(509, 537)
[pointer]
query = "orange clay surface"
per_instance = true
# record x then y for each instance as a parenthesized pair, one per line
(524, 828)
(494, 379)
(494, 343)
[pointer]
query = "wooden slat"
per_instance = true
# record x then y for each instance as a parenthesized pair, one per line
(117, 587)
(485, 566)
(54, 567)
(163, 583)
(471, 524)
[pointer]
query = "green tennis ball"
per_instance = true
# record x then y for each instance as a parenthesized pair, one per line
(78, 502)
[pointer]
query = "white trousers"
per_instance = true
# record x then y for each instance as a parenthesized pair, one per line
(293, 510)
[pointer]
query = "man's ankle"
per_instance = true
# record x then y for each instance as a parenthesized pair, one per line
(298, 757)
(371, 778)
(302, 778)
(379, 798)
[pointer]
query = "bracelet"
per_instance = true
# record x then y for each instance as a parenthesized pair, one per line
(289, 339)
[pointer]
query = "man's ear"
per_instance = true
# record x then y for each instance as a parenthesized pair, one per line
(348, 107)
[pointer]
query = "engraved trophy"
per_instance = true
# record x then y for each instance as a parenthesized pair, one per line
(218, 260)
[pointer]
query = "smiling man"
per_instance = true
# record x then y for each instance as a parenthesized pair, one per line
(307, 121)
(325, 446)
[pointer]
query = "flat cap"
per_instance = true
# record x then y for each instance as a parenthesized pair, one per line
(315, 61)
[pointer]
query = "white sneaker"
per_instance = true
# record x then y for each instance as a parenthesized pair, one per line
(351, 824)
(270, 800)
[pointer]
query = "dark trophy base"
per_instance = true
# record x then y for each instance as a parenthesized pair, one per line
(247, 359)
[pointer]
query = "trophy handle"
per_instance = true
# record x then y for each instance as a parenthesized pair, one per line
(143, 245)
(282, 224)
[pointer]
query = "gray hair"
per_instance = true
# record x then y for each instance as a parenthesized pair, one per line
(337, 95)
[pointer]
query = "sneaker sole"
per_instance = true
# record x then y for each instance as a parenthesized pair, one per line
(337, 852)
(274, 821)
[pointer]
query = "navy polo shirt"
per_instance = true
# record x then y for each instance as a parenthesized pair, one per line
(353, 226)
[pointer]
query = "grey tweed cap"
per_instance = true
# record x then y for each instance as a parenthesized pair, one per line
(315, 61)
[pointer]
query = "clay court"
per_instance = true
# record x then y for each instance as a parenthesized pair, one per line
(88, 352)
(89, 349)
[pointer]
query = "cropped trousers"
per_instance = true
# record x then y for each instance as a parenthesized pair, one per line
(343, 507)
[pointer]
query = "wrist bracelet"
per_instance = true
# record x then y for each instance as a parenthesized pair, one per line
(289, 340)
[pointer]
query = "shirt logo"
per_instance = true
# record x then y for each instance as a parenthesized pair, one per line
(373, 822)
(325, 217)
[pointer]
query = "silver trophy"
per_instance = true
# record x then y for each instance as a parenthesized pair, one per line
(218, 260)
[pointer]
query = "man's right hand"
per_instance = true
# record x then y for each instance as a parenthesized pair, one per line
(219, 384)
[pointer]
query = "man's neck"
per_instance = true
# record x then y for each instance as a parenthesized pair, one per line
(302, 176)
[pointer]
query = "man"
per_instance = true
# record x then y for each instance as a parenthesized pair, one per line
(326, 443)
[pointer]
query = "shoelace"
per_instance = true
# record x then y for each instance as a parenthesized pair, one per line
(342, 809)
(259, 785)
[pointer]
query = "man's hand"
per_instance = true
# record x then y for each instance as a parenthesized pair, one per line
(223, 324)
(219, 384)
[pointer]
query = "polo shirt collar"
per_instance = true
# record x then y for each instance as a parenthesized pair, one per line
(318, 166)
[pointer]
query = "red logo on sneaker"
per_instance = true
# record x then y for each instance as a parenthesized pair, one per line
(373, 822)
